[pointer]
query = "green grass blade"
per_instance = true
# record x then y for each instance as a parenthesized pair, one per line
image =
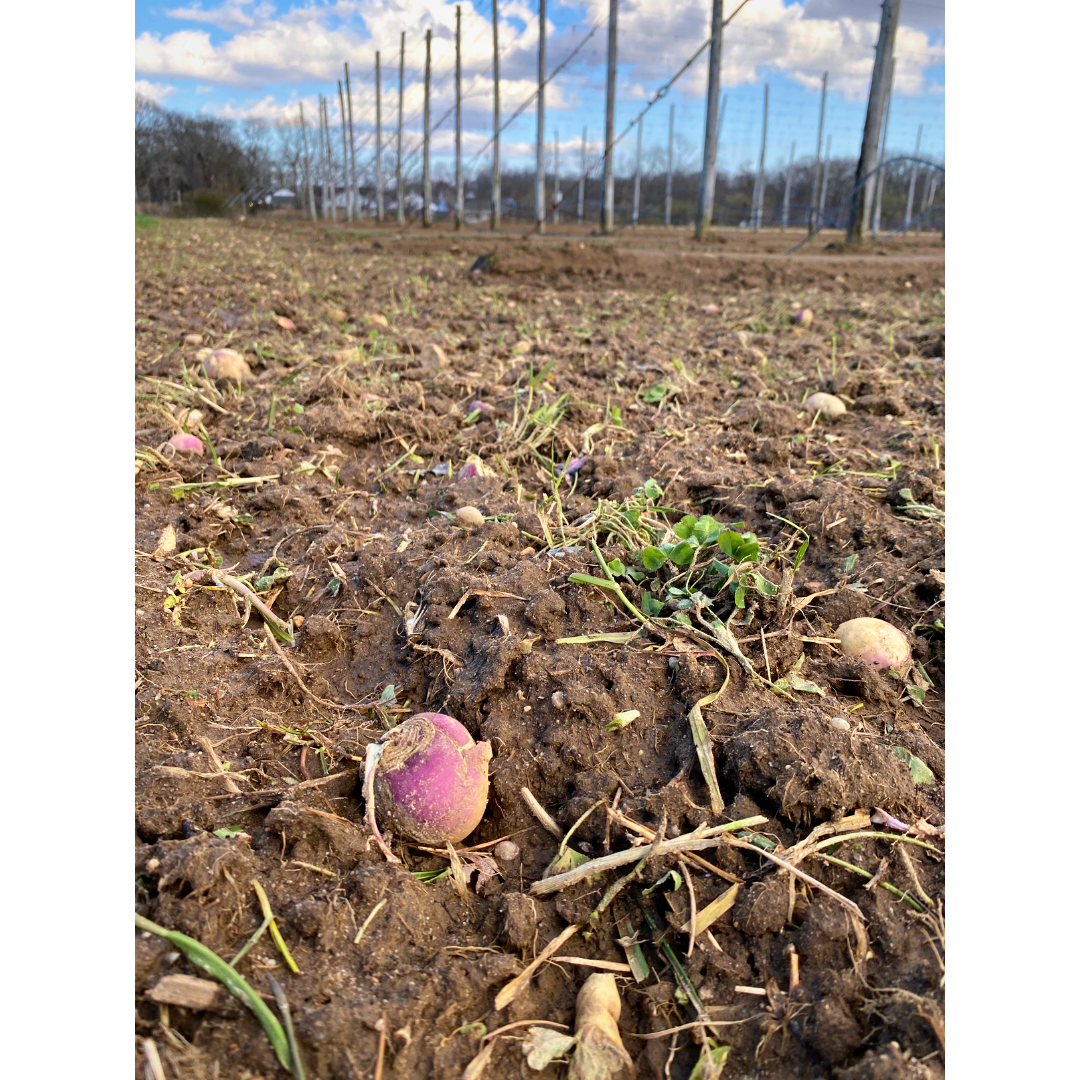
(235, 983)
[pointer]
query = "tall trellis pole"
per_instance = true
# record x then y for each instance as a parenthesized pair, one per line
(459, 175)
(859, 216)
(812, 217)
(607, 225)
(379, 203)
(707, 182)
(345, 154)
(307, 166)
(425, 217)
(496, 183)
(540, 64)
(354, 193)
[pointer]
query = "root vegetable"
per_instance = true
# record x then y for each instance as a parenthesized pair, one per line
(828, 405)
(227, 364)
(599, 1053)
(469, 516)
(190, 444)
(428, 779)
(874, 641)
(803, 317)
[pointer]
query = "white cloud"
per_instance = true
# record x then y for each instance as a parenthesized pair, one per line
(230, 16)
(156, 92)
(308, 43)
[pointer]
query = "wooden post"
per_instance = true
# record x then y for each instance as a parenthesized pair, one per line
(707, 181)
(425, 218)
(379, 206)
(307, 166)
(540, 197)
(331, 179)
(581, 182)
(400, 127)
(812, 216)
(879, 180)
(824, 182)
(607, 222)
(355, 185)
(787, 190)
(556, 195)
(345, 155)
(459, 175)
(496, 185)
(322, 163)
(635, 209)
(670, 163)
(759, 211)
(859, 216)
(330, 162)
(911, 181)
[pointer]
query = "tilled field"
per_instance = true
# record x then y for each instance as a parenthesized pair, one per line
(567, 491)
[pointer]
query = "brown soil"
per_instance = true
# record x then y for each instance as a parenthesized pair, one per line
(377, 565)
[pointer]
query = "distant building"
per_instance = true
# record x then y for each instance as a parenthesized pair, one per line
(283, 197)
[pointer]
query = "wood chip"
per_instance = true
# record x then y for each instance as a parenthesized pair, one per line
(519, 982)
(584, 961)
(190, 992)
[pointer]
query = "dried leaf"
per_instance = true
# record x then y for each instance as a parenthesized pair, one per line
(485, 866)
(476, 1067)
(543, 1045)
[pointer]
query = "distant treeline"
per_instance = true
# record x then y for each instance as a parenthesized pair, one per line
(202, 162)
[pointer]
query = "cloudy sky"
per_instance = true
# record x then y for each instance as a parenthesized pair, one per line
(240, 59)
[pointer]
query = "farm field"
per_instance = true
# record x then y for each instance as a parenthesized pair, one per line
(566, 490)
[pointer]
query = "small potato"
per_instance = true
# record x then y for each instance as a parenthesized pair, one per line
(830, 407)
(875, 642)
(803, 317)
(227, 365)
(469, 516)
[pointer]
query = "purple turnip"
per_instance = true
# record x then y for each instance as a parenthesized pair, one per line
(428, 780)
(190, 444)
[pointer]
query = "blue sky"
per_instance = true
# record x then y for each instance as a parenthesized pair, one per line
(242, 59)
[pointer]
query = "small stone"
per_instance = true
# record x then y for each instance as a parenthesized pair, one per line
(558, 700)
(377, 320)
(194, 340)
(338, 315)
(522, 348)
(838, 723)
(830, 406)
(284, 322)
(469, 516)
(711, 309)
(433, 356)
(506, 851)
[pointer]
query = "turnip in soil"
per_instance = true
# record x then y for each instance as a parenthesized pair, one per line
(428, 780)
(876, 642)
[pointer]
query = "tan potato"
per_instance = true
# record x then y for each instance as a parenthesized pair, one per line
(875, 642)
(469, 516)
(830, 406)
(227, 364)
